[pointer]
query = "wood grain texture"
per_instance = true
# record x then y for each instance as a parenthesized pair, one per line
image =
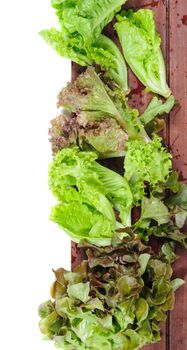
(171, 19)
(178, 144)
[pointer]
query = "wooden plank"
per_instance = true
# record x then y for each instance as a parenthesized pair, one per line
(178, 142)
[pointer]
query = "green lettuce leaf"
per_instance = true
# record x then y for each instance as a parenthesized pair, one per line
(157, 107)
(88, 194)
(146, 162)
(154, 208)
(114, 61)
(81, 222)
(88, 18)
(141, 48)
(80, 38)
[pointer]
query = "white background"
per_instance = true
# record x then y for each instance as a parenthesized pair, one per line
(31, 75)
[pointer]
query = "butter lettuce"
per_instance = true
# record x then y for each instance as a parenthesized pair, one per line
(141, 47)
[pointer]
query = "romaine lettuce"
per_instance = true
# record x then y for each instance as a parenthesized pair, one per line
(80, 39)
(88, 193)
(141, 47)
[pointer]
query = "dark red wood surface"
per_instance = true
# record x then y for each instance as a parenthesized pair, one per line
(171, 19)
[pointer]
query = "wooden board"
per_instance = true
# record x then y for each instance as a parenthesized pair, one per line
(171, 19)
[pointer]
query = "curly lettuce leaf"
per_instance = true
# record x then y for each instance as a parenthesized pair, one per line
(146, 162)
(80, 38)
(141, 47)
(116, 67)
(133, 125)
(88, 18)
(82, 222)
(106, 138)
(88, 194)
(69, 49)
(83, 97)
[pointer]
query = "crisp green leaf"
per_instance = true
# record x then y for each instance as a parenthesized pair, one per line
(117, 69)
(80, 38)
(74, 52)
(157, 107)
(146, 162)
(141, 48)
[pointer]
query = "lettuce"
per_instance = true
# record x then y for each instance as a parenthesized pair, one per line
(100, 125)
(106, 137)
(83, 98)
(80, 39)
(141, 48)
(156, 108)
(88, 194)
(117, 298)
(177, 202)
(146, 162)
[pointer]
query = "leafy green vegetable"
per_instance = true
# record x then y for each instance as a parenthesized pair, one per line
(94, 123)
(168, 250)
(116, 68)
(177, 283)
(146, 162)
(83, 96)
(178, 205)
(79, 291)
(141, 48)
(180, 198)
(169, 231)
(110, 300)
(80, 38)
(156, 107)
(106, 138)
(88, 193)
(154, 208)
